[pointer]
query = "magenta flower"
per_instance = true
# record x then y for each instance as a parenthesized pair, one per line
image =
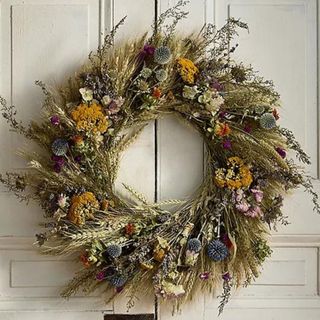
(77, 159)
(57, 168)
(100, 276)
(147, 51)
(226, 276)
(58, 160)
(281, 152)
(55, 120)
(119, 289)
(247, 128)
(204, 275)
(222, 114)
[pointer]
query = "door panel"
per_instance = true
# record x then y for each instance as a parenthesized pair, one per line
(168, 158)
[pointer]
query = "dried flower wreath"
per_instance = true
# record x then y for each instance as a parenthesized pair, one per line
(219, 234)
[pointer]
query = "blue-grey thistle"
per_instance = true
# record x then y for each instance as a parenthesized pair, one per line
(217, 250)
(267, 121)
(194, 245)
(162, 55)
(118, 280)
(114, 250)
(59, 147)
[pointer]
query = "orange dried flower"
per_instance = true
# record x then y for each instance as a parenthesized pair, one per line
(158, 254)
(85, 261)
(276, 114)
(129, 229)
(78, 140)
(105, 205)
(222, 129)
(156, 93)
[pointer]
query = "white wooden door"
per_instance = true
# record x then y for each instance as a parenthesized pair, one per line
(48, 39)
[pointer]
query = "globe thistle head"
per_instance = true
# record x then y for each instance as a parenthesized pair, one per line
(267, 121)
(194, 245)
(260, 109)
(114, 250)
(162, 55)
(217, 250)
(118, 280)
(59, 147)
(146, 73)
(161, 75)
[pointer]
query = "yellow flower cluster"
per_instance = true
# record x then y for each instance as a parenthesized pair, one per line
(82, 207)
(90, 118)
(236, 175)
(187, 70)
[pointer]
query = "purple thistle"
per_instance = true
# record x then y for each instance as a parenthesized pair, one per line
(55, 120)
(281, 152)
(227, 144)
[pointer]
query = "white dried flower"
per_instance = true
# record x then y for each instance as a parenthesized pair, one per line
(161, 75)
(106, 100)
(62, 200)
(86, 93)
(215, 103)
(189, 92)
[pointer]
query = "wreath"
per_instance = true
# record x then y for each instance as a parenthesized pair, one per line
(219, 235)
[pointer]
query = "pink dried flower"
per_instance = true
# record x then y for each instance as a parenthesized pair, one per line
(258, 194)
(243, 206)
(254, 212)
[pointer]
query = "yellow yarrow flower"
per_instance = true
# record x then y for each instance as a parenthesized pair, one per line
(187, 70)
(82, 207)
(90, 118)
(237, 175)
